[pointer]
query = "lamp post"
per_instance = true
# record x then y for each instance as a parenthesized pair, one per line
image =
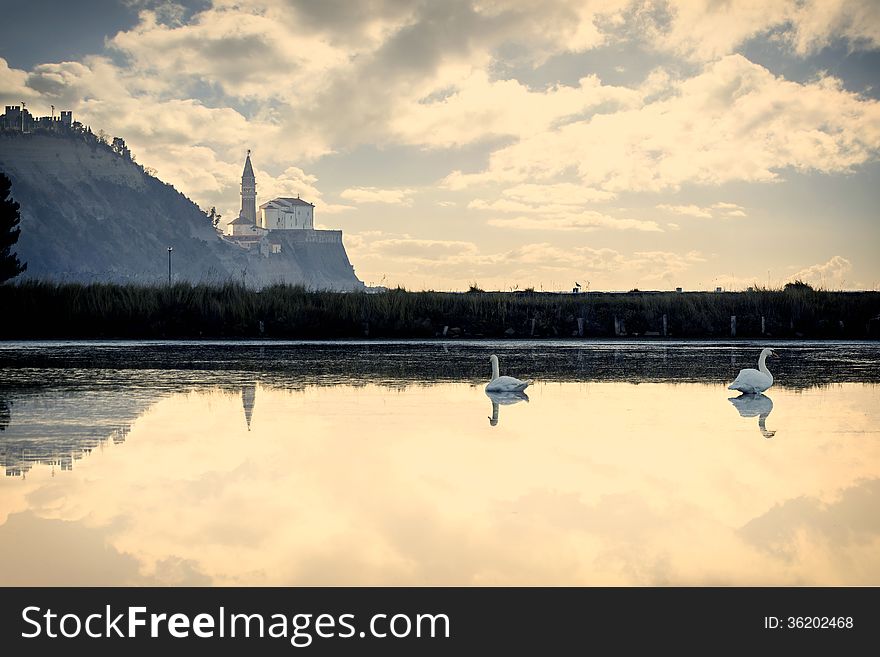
(170, 249)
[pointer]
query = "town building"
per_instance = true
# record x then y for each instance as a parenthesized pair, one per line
(287, 214)
(282, 220)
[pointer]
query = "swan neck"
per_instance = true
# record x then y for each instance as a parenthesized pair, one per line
(762, 364)
(495, 373)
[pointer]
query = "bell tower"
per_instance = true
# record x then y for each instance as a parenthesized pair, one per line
(249, 191)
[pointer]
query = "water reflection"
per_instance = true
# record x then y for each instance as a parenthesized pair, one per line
(393, 481)
(503, 399)
(759, 406)
(248, 398)
(5, 414)
(59, 428)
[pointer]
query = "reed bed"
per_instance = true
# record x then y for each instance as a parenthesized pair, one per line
(45, 310)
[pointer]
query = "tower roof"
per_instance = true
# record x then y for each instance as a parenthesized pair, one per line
(240, 219)
(285, 203)
(248, 169)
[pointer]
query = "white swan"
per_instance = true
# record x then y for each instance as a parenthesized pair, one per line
(504, 383)
(751, 381)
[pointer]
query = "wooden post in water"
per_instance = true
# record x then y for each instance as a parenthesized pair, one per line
(580, 326)
(532, 331)
(763, 326)
(733, 326)
(664, 325)
(445, 330)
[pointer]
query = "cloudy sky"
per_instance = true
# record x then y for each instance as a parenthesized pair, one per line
(508, 143)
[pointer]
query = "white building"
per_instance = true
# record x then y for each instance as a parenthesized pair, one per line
(244, 233)
(287, 214)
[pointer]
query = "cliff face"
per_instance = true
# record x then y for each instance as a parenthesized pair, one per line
(88, 214)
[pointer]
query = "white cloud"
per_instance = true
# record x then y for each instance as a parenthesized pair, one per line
(717, 209)
(690, 210)
(455, 264)
(587, 220)
(376, 195)
(703, 30)
(830, 275)
(561, 206)
(422, 249)
(730, 209)
(735, 121)
(565, 193)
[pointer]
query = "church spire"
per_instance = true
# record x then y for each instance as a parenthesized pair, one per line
(248, 169)
(249, 191)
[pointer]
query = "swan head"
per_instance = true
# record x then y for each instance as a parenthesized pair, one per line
(493, 359)
(768, 352)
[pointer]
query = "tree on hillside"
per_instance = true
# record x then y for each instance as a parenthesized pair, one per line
(214, 216)
(10, 266)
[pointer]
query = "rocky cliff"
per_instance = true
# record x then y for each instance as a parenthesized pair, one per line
(89, 214)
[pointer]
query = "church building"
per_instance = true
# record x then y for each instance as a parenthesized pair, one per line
(287, 214)
(281, 220)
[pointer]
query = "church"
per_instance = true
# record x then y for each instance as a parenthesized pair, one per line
(277, 217)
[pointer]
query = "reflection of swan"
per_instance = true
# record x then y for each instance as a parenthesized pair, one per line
(503, 399)
(504, 383)
(751, 381)
(755, 405)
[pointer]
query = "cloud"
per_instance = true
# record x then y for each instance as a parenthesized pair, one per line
(566, 193)
(555, 207)
(829, 274)
(735, 121)
(421, 249)
(586, 220)
(851, 518)
(376, 195)
(703, 30)
(454, 264)
(730, 209)
(691, 210)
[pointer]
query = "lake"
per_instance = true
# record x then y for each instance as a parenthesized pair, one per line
(386, 463)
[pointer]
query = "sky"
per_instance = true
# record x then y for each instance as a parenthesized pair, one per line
(507, 144)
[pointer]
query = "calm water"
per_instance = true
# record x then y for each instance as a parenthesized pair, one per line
(386, 463)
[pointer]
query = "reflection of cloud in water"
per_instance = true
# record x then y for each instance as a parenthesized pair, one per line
(759, 406)
(503, 399)
(367, 485)
(88, 558)
(853, 518)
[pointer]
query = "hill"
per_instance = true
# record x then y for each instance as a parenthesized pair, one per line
(90, 214)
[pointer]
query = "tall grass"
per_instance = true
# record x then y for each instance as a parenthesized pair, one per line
(34, 310)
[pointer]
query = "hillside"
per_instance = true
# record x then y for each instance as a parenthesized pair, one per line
(89, 214)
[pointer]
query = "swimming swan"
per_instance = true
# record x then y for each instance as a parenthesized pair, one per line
(751, 381)
(504, 383)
